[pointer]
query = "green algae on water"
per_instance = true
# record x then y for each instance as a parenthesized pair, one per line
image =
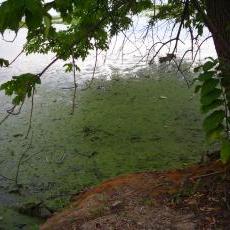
(119, 126)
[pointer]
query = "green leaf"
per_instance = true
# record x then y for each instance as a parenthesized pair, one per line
(11, 13)
(209, 86)
(206, 75)
(3, 62)
(215, 134)
(20, 86)
(197, 69)
(215, 104)
(225, 151)
(65, 7)
(208, 99)
(69, 67)
(214, 120)
(33, 13)
(212, 59)
(208, 65)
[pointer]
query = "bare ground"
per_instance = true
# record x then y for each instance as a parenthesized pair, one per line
(194, 198)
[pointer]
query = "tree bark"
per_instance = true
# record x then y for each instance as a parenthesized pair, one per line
(218, 14)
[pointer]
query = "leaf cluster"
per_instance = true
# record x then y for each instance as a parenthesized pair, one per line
(20, 87)
(91, 23)
(12, 13)
(88, 24)
(213, 105)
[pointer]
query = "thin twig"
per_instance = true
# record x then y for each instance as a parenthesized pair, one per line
(47, 67)
(207, 175)
(17, 56)
(184, 14)
(21, 160)
(182, 73)
(75, 85)
(94, 70)
(31, 114)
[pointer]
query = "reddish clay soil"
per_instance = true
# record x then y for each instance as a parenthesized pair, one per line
(194, 198)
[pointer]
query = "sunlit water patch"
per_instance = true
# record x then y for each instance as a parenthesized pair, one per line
(128, 53)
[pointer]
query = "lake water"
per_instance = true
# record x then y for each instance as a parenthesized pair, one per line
(127, 55)
(125, 127)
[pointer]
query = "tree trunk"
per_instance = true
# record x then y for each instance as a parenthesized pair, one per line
(218, 12)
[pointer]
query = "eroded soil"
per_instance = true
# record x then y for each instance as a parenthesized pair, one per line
(193, 198)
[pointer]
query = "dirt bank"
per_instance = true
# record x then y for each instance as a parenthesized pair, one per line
(192, 198)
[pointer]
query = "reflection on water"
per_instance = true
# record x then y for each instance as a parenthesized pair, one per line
(127, 54)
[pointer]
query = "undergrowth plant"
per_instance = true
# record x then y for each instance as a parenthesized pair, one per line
(214, 105)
